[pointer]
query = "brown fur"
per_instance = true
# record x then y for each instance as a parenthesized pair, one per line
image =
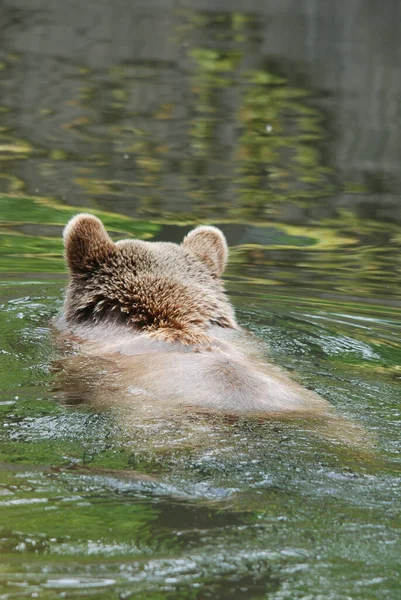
(157, 315)
(171, 292)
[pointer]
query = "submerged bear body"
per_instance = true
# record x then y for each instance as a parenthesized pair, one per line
(156, 317)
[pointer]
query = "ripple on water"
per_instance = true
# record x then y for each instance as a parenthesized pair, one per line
(209, 506)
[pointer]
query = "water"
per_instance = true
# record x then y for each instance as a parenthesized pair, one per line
(277, 122)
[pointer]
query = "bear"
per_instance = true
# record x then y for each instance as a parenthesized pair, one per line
(157, 319)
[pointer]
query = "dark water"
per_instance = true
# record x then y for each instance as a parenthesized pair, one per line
(279, 122)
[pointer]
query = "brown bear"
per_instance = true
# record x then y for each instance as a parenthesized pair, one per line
(157, 312)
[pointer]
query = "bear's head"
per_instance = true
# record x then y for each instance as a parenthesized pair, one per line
(172, 292)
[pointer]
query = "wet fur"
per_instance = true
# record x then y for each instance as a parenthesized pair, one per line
(171, 292)
(156, 314)
(219, 376)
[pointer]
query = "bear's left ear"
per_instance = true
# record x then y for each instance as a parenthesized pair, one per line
(86, 243)
(210, 246)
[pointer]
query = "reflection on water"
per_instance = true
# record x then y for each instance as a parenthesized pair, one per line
(197, 126)
(277, 123)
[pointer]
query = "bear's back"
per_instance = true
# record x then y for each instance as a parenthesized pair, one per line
(226, 375)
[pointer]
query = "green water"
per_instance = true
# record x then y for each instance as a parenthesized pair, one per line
(278, 125)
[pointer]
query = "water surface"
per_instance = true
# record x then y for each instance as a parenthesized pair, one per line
(277, 122)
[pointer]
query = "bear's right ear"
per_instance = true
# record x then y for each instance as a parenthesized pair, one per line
(210, 246)
(86, 243)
